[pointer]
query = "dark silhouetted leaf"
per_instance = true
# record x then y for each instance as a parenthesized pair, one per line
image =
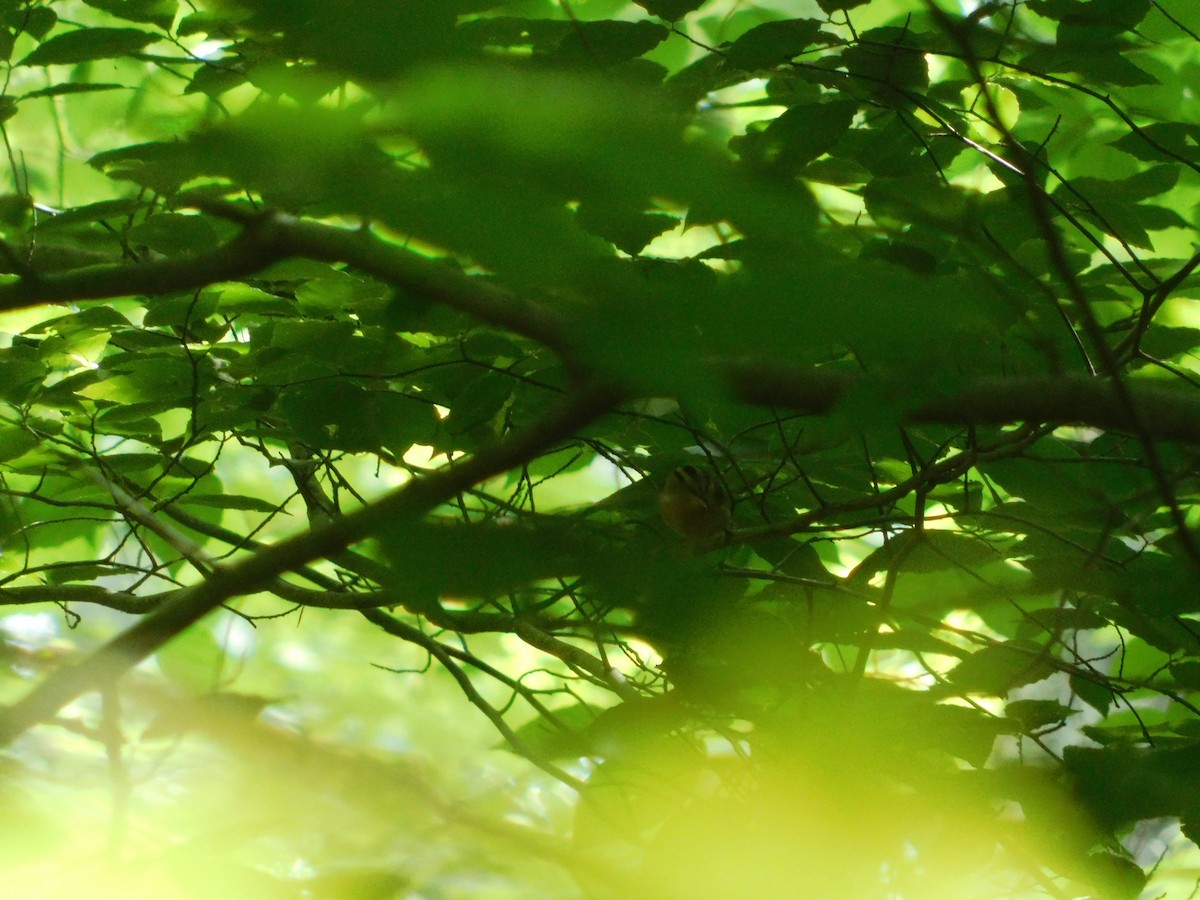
(772, 43)
(86, 44)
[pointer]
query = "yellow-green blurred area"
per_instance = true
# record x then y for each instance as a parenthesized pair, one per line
(303, 771)
(360, 784)
(307, 772)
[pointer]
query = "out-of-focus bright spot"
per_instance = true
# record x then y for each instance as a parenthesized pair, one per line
(298, 656)
(644, 653)
(965, 620)
(837, 202)
(936, 66)
(980, 179)
(657, 406)
(16, 321)
(905, 670)
(1078, 433)
(30, 628)
(83, 362)
(174, 422)
(719, 746)
(236, 636)
(421, 455)
(684, 242)
(209, 49)
(938, 517)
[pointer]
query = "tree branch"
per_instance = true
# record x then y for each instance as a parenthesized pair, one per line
(403, 506)
(1159, 409)
(270, 237)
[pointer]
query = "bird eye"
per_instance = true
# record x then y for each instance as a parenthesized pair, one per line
(693, 477)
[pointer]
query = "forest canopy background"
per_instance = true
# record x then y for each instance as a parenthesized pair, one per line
(343, 351)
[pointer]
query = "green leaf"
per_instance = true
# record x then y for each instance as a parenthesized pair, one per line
(313, 337)
(1093, 22)
(796, 137)
(1034, 714)
(831, 6)
(502, 558)
(155, 12)
(608, 43)
(231, 501)
(162, 165)
(1186, 673)
(214, 80)
(479, 403)
(671, 10)
(132, 463)
(628, 729)
(172, 234)
(86, 44)
(1140, 186)
(92, 212)
(21, 370)
(15, 442)
(1057, 619)
(166, 377)
(1095, 695)
(60, 90)
(1124, 784)
(932, 551)
(629, 231)
(889, 58)
(562, 737)
(35, 21)
(917, 643)
(1155, 139)
(336, 291)
(998, 668)
(772, 44)
(1105, 67)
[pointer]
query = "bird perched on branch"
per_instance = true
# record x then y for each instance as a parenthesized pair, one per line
(695, 504)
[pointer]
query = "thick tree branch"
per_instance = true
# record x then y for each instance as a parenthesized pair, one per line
(427, 278)
(1164, 412)
(239, 258)
(270, 237)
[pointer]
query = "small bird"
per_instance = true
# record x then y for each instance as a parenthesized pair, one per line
(694, 503)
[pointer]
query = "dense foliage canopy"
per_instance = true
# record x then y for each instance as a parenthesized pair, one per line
(345, 345)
